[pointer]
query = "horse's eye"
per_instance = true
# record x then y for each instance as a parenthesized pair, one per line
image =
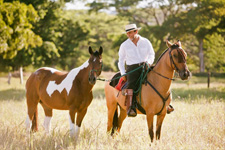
(175, 56)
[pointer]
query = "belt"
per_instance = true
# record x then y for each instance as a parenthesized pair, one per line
(139, 64)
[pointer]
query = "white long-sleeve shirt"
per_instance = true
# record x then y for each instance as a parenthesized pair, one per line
(132, 54)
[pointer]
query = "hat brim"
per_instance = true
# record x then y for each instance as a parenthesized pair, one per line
(132, 30)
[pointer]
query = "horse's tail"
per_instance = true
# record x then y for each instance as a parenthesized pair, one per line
(35, 121)
(115, 121)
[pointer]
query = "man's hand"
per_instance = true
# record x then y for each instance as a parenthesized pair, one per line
(147, 65)
(124, 78)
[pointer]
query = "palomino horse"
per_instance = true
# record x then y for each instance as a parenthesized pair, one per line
(71, 91)
(154, 102)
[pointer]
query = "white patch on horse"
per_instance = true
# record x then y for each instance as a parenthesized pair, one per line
(28, 124)
(72, 129)
(77, 131)
(94, 60)
(47, 124)
(67, 82)
(50, 69)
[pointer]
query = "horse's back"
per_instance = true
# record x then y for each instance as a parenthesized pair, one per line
(41, 77)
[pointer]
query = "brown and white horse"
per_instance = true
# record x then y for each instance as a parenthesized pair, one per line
(71, 91)
(174, 58)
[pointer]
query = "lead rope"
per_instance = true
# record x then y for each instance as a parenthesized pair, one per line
(120, 76)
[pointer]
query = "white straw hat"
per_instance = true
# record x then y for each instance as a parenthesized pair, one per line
(131, 27)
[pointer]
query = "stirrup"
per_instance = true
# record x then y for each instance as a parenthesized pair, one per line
(131, 112)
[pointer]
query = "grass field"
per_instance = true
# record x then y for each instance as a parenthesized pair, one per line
(197, 123)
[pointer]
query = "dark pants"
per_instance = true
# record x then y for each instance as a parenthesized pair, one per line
(132, 78)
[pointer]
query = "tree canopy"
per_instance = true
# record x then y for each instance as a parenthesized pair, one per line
(44, 33)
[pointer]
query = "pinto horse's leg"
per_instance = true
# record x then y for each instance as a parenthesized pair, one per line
(48, 117)
(160, 119)
(123, 115)
(150, 117)
(80, 117)
(72, 121)
(32, 109)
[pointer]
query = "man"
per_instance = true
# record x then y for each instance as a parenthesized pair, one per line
(135, 51)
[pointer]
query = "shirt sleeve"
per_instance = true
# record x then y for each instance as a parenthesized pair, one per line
(151, 56)
(121, 63)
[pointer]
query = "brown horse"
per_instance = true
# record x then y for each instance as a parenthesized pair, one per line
(71, 91)
(155, 94)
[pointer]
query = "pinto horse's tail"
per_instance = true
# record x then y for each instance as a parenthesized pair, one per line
(115, 121)
(35, 121)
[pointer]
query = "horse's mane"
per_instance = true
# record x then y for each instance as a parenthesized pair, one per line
(161, 56)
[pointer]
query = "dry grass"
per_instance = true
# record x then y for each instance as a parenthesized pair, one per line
(195, 124)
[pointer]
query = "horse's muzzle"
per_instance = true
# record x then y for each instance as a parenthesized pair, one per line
(185, 74)
(92, 80)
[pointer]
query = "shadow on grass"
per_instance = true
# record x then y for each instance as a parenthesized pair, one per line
(199, 94)
(12, 94)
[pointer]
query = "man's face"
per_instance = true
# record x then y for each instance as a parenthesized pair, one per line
(132, 34)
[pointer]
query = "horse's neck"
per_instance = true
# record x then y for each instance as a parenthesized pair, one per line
(160, 83)
(81, 74)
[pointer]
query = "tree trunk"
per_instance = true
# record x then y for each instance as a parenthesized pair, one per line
(21, 75)
(9, 78)
(201, 56)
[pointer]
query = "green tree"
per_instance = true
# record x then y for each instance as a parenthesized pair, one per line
(16, 34)
(201, 18)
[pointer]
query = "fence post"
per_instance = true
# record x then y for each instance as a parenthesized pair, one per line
(208, 79)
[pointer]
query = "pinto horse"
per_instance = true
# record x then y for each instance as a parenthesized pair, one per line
(154, 102)
(71, 91)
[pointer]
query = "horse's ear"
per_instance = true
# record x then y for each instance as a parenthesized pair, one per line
(100, 50)
(90, 50)
(179, 43)
(168, 44)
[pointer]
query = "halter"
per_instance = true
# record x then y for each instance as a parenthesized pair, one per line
(96, 70)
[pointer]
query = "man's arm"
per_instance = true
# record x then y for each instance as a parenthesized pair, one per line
(151, 55)
(121, 63)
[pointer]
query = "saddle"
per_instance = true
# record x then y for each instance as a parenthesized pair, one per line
(120, 84)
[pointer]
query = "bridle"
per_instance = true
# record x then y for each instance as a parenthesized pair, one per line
(180, 60)
(179, 49)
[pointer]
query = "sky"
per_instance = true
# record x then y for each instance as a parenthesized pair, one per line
(81, 5)
(77, 5)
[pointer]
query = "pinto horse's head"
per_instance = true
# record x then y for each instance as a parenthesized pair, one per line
(96, 65)
(178, 59)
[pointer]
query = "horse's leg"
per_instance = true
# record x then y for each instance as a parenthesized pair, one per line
(80, 117)
(160, 119)
(112, 116)
(123, 115)
(150, 117)
(32, 109)
(48, 117)
(72, 113)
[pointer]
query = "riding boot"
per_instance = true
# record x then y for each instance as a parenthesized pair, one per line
(131, 110)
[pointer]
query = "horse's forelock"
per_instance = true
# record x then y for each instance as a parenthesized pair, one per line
(174, 46)
(96, 53)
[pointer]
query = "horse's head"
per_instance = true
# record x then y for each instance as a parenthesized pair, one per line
(96, 64)
(178, 59)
